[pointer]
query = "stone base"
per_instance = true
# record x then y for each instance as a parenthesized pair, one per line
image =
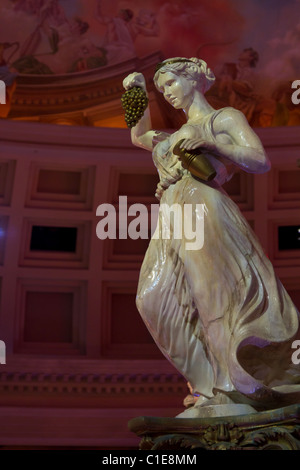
(275, 429)
(214, 411)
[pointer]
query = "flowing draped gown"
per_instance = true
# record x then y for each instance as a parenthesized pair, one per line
(218, 313)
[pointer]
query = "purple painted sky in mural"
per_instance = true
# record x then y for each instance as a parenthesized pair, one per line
(216, 30)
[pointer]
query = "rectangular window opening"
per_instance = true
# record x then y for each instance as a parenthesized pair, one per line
(289, 237)
(62, 239)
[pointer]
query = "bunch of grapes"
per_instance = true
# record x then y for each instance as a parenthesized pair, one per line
(134, 102)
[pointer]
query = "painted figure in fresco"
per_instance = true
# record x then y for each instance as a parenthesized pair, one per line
(123, 30)
(237, 83)
(31, 7)
(69, 49)
(8, 77)
(73, 51)
(218, 313)
(50, 16)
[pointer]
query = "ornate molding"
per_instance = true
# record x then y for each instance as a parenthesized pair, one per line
(87, 384)
(38, 95)
(270, 430)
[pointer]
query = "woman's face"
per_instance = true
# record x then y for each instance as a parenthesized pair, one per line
(177, 90)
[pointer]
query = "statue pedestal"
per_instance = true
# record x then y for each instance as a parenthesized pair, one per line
(275, 429)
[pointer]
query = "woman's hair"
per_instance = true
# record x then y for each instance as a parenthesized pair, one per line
(192, 69)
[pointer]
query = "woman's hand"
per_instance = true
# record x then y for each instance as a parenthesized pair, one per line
(191, 144)
(134, 79)
(173, 174)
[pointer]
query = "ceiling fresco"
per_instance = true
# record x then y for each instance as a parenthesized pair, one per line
(252, 45)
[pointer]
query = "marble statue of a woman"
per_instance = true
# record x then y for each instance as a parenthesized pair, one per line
(218, 313)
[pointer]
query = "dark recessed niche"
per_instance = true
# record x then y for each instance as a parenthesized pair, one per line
(289, 237)
(130, 247)
(48, 317)
(60, 182)
(233, 186)
(137, 184)
(3, 233)
(44, 238)
(295, 296)
(7, 173)
(124, 313)
(289, 181)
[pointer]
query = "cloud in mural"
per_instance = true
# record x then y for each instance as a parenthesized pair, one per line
(186, 27)
(286, 64)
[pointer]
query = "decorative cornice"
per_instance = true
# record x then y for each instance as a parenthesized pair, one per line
(267, 430)
(19, 382)
(38, 95)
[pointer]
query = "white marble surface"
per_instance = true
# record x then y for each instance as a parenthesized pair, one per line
(219, 313)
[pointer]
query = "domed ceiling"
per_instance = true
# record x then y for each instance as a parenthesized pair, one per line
(65, 53)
